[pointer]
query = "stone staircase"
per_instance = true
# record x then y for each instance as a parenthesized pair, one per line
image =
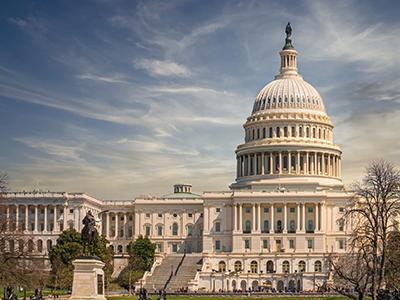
(187, 271)
(162, 272)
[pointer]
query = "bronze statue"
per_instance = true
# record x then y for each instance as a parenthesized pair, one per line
(288, 30)
(38, 295)
(89, 233)
(143, 294)
(163, 295)
(10, 293)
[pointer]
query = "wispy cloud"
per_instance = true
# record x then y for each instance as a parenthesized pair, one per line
(103, 79)
(162, 68)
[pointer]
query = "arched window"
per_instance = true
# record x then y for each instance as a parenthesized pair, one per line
(49, 245)
(270, 132)
(307, 132)
(313, 133)
(293, 130)
(285, 267)
(278, 132)
(317, 266)
(324, 134)
(301, 163)
(238, 266)
(285, 163)
(119, 248)
(40, 246)
(254, 135)
(248, 226)
(264, 133)
(253, 267)
(279, 225)
(302, 266)
(258, 133)
(221, 266)
(319, 133)
(266, 226)
(310, 225)
(292, 224)
(285, 132)
(175, 229)
(270, 266)
(300, 131)
(341, 225)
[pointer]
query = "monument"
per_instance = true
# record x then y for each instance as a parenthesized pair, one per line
(88, 279)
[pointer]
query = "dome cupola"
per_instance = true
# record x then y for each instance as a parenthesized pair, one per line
(288, 136)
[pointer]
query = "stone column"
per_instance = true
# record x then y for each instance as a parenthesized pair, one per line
(255, 164)
(329, 165)
(248, 165)
(298, 163)
(318, 166)
(55, 228)
(259, 217)
(125, 221)
(280, 162)
(241, 217)
(235, 219)
(26, 216)
(237, 166)
(289, 162)
(298, 217)
(316, 217)
(17, 217)
(116, 226)
(206, 229)
(271, 163)
(36, 218)
(45, 218)
(262, 163)
(303, 227)
(285, 218)
(307, 163)
(65, 216)
(323, 164)
(254, 218)
(272, 219)
(339, 167)
(107, 225)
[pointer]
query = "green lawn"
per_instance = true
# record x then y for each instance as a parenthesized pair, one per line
(233, 298)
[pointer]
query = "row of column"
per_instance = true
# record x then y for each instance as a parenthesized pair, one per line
(288, 162)
(16, 218)
(256, 217)
(117, 226)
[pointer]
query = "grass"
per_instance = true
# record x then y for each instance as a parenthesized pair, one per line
(233, 298)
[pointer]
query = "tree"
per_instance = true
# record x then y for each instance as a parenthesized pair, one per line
(393, 261)
(144, 249)
(67, 249)
(371, 214)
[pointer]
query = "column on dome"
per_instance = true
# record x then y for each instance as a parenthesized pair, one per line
(125, 222)
(285, 218)
(262, 163)
(280, 162)
(271, 163)
(298, 217)
(307, 163)
(237, 166)
(55, 228)
(65, 216)
(316, 217)
(248, 165)
(318, 164)
(298, 163)
(36, 218)
(253, 223)
(289, 160)
(107, 224)
(255, 164)
(339, 167)
(272, 218)
(259, 217)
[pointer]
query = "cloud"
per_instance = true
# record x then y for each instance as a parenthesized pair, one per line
(162, 68)
(97, 78)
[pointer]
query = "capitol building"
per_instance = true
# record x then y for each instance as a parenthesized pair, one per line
(273, 228)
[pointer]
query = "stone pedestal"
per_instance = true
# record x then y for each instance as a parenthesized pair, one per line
(88, 282)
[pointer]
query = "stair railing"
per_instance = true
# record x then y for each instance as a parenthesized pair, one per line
(180, 263)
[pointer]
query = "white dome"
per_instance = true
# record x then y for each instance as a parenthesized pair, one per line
(288, 92)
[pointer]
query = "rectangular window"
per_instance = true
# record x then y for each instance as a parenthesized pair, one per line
(291, 244)
(247, 244)
(218, 227)
(121, 233)
(52, 211)
(248, 210)
(51, 226)
(159, 230)
(61, 211)
(41, 226)
(71, 226)
(341, 246)
(309, 242)
(341, 209)
(340, 226)
(265, 244)
(147, 230)
(190, 230)
(279, 209)
(32, 211)
(32, 226)
(310, 210)
(159, 215)
(159, 247)
(147, 215)
(292, 210)
(71, 211)
(217, 245)
(266, 209)
(42, 211)
(174, 248)
(190, 215)
(130, 218)
(201, 215)
(122, 218)
(218, 209)
(61, 226)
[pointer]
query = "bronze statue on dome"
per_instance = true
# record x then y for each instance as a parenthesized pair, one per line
(288, 30)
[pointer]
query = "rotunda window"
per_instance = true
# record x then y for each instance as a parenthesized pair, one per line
(264, 133)
(313, 102)
(258, 133)
(273, 101)
(323, 134)
(298, 99)
(293, 131)
(319, 133)
(269, 100)
(280, 100)
(301, 163)
(278, 132)
(285, 163)
(307, 132)
(285, 131)
(254, 135)
(300, 131)
(309, 101)
(270, 132)
(276, 163)
(304, 100)
(313, 133)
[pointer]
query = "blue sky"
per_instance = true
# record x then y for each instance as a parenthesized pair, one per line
(123, 98)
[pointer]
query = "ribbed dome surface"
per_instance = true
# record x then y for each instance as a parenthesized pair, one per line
(289, 92)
